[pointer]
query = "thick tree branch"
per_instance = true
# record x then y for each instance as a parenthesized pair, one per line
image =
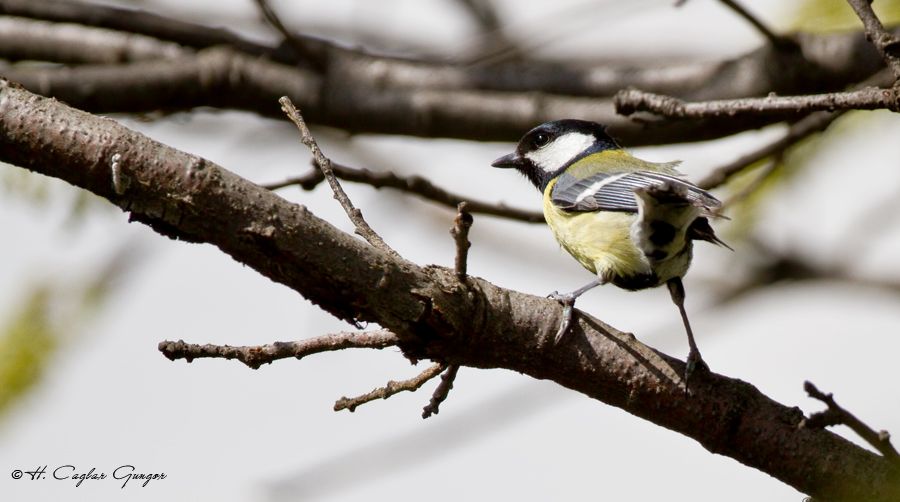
(256, 356)
(415, 185)
(828, 62)
(225, 79)
(133, 21)
(431, 312)
(28, 39)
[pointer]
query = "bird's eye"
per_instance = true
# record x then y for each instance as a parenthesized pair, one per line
(541, 139)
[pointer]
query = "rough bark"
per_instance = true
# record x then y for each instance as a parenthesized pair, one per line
(437, 316)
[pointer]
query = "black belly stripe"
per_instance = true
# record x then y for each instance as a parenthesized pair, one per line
(661, 233)
(636, 282)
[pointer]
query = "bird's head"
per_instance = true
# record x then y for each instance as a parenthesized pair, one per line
(546, 151)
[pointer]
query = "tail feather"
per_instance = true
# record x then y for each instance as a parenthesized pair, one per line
(664, 215)
(700, 230)
(668, 220)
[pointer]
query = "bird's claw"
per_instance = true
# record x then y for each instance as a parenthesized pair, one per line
(695, 363)
(564, 298)
(568, 302)
(566, 322)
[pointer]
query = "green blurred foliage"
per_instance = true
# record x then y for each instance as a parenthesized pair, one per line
(834, 15)
(745, 211)
(808, 16)
(747, 192)
(27, 343)
(51, 316)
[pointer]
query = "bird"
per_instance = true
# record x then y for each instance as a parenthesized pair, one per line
(629, 221)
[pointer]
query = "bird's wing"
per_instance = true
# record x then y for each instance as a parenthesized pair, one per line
(615, 191)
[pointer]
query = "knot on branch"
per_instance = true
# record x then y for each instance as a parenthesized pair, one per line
(631, 101)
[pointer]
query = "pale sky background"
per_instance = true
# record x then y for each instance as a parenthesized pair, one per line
(221, 431)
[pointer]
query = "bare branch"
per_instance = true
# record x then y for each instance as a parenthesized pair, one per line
(774, 39)
(137, 21)
(441, 392)
(308, 181)
(222, 78)
(391, 388)
(416, 185)
(315, 58)
(633, 100)
(324, 163)
(770, 167)
(365, 93)
(460, 232)
(495, 46)
(830, 61)
(256, 356)
(28, 39)
(482, 11)
(797, 132)
(773, 266)
(836, 415)
(887, 44)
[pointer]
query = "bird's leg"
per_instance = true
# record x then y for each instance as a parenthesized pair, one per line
(694, 360)
(568, 303)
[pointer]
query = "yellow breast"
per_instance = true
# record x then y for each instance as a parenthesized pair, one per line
(600, 241)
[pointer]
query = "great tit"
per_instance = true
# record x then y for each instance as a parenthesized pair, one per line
(629, 221)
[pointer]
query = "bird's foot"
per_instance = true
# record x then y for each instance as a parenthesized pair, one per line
(694, 364)
(568, 302)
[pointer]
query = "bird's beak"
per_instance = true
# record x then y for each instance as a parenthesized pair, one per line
(512, 160)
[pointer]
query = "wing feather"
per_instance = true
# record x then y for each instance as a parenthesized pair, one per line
(615, 191)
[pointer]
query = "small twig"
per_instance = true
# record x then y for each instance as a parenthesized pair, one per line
(324, 163)
(314, 58)
(495, 45)
(771, 36)
(483, 13)
(441, 392)
(811, 124)
(256, 356)
(632, 100)
(887, 44)
(392, 387)
(416, 185)
(764, 173)
(460, 232)
(798, 131)
(308, 181)
(835, 415)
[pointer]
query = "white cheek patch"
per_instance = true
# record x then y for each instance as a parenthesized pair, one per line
(554, 155)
